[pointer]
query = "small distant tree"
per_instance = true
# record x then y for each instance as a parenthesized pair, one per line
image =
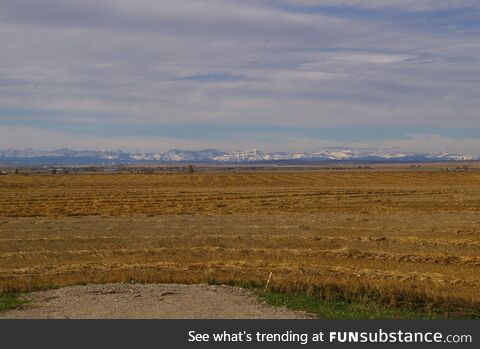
(53, 171)
(465, 168)
(17, 171)
(190, 169)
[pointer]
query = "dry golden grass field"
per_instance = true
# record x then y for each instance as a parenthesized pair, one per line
(397, 237)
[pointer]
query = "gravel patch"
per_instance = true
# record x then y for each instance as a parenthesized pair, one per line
(148, 301)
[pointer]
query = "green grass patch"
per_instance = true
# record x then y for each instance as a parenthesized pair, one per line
(342, 309)
(336, 302)
(10, 301)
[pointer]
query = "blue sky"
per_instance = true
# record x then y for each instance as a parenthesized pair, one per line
(151, 75)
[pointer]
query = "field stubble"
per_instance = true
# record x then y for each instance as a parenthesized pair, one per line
(397, 238)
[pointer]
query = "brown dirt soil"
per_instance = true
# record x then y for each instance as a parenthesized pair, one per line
(149, 301)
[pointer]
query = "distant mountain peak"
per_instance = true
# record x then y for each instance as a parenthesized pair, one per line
(210, 155)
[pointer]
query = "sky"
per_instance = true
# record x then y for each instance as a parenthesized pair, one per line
(286, 75)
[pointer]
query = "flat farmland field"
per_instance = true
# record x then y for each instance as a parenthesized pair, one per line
(394, 237)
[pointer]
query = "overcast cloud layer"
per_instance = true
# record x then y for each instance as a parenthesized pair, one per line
(150, 75)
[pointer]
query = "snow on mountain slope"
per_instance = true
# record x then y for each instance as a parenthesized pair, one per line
(212, 155)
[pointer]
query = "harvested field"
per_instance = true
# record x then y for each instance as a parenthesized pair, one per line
(397, 237)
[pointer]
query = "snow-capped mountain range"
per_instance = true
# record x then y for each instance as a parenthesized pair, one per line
(67, 156)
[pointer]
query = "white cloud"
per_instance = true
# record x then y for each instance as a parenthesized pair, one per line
(41, 138)
(136, 61)
(406, 5)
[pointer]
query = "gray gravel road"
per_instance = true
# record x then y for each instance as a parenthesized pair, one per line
(150, 301)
